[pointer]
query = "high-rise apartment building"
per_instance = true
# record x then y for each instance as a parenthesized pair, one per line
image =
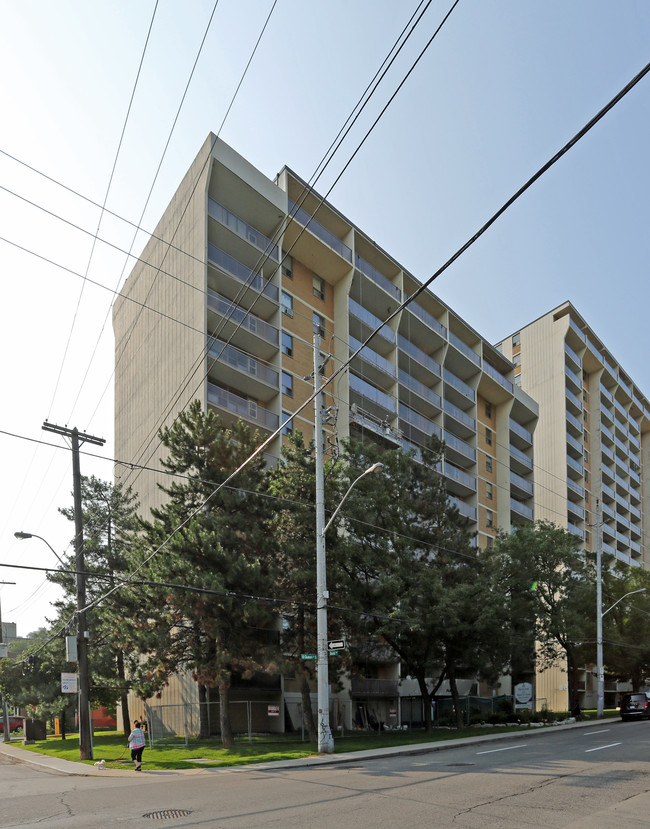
(223, 306)
(589, 447)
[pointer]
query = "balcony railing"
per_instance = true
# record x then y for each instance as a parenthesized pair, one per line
(240, 272)
(371, 320)
(427, 318)
(460, 446)
(464, 509)
(242, 229)
(521, 483)
(372, 393)
(573, 377)
(577, 465)
(574, 357)
(419, 388)
(418, 355)
(460, 415)
(464, 348)
(378, 278)
(415, 419)
(574, 421)
(320, 231)
(519, 430)
(575, 530)
(460, 476)
(224, 353)
(496, 375)
(606, 393)
(575, 400)
(242, 407)
(575, 487)
(575, 328)
(224, 307)
(458, 384)
(371, 356)
(521, 509)
(521, 456)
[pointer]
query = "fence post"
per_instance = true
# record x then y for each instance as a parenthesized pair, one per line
(250, 721)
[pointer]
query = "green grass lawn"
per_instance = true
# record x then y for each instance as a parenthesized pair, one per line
(111, 746)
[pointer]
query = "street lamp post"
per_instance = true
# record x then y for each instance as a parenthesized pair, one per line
(325, 740)
(600, 613)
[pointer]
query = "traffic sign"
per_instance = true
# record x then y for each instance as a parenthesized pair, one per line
(336, 645)
(333, 653)
(308, 656)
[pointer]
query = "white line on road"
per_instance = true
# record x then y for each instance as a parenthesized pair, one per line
(523, 745)
(611, 745)
(602, 731)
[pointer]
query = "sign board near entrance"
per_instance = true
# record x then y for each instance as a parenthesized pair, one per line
(68, 683)
(273, 710)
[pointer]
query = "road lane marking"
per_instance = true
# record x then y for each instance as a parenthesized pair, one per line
(602, 731)
(523, 745)
(611, 745)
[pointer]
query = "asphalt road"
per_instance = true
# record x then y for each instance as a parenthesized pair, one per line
(595, 777)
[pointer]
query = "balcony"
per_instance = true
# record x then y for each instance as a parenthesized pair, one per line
(424, 393)
(374, 400)
(573, 326)
(520, 432)
(379, 427)
(575, 489)
(577, 362)
(464, 509)
(496, 375)
(608, 491)
(420, 357)
(373, 366)
(606, 393)
(574, 444)
(574, 467)
(521, 510)
(458, 421)
(371, 322)
(576, 511)
(378, 278)
(241, 407)
(607, 435)
(520, 459)
(457, 384)
(575, 423)
(427, 319)
(577, 531)
(465, 349)
(321, 232)
(573, 379)
(459, 452)
(574, 401)
(249, 375)
(458, 481)
(520, 486)
(243, 229)
(243, 274)
(238, 323)
(415, 419)
(607, 452)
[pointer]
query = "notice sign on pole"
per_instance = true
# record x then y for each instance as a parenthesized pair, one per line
(273, 710)
(68, 683)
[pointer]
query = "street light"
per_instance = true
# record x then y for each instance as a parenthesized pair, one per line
(85, 725)
(22, 536)
(376, 467)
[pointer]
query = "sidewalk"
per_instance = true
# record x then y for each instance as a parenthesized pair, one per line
(54, 765)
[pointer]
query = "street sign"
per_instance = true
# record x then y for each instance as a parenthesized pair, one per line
(273, 710)
(68, 683)
(336, 645)
(308, 656)
(333, 653)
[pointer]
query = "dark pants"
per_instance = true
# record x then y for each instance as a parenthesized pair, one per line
(136, 754)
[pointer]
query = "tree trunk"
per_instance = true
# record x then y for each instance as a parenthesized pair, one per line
(308, 712)
(454, 695)
(204, 719)
(426, 704)
(124, 697)
(227, 739)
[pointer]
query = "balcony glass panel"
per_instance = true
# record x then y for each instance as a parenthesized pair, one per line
(575, 487)
(521, 457)
(576, 510)
(625, 385)
(575, 400)
(452, 471)
(459, 414)
(236, 314)
(372, 357)
(238, 359)
(575, 328)
(464, 348)
(496, 375)
(607, 451)
(419, 421)
(242, 407)
(573, 442)
(574, 420)
(575, 530)
(378, 278)
(634, 442)
(419, 355)
(372, 393)
(635, 511)
(518, 429)
(594, 348)
(608, 490)
(521, 509)
(419, 388)
(242, 229)
(240, 272)
(577, 465)
(321, 232)
(371, 320)
(407, 446)
(607, 510)
(464, 509)
(621, 445)
(522, 483)
(458, 384)
(460, 445)
(427, 318)
(576, 360)
(607, 432)
(606, 393)
(573, 376)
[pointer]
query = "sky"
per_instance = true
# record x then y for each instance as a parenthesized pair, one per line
(89, 117)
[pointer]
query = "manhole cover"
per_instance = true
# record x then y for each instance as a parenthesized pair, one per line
(166, 814)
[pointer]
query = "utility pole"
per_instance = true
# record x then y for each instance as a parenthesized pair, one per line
(600, 702)
(77, 438)
(325, 740)
(5, 710)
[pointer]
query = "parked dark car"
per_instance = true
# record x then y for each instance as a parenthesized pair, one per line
(15, 724)
(635, 706)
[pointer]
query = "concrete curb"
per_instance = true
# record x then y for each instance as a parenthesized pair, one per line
(54, 765)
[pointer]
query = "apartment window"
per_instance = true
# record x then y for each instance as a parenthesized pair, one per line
(488, 463)
(488, 409)
(287, 303)
(518, 380)
(287, 384)
(587, 537)
(516, 339)
(586, 476)
(516, 358)
(287, 266)
(489, 543)
(287, 428)
(488, 436)
(489, 518)
(287, 344)
(489, 492)
(319, 324)
(318, 284)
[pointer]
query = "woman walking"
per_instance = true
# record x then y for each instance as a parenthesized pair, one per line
(137, 742)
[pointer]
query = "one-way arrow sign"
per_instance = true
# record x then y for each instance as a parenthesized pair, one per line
(336, 645)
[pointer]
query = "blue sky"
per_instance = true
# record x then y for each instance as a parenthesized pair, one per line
(503, 86)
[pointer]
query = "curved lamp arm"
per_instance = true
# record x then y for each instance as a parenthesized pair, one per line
(22, 536)
(631, 593)
(376, 467)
